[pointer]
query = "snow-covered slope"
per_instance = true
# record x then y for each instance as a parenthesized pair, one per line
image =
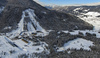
(28, 24)
(77, 44)
(92, 18)
(48, 19)
(14, 48)
(89, 14)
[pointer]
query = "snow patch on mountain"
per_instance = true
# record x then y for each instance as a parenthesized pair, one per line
(86, 10)
(32, 17)
(77, 9)
(92, 14)
(16, 32)
(8, 27)
(77, 44)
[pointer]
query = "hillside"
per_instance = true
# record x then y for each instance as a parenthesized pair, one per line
(29, 30)
(49, 20)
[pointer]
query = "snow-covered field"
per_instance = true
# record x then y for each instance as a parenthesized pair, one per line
(13, 48)
(77, 44)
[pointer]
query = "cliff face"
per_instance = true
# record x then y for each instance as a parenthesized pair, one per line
(49, 20)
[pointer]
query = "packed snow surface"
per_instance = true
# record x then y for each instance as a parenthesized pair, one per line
(77, 44)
